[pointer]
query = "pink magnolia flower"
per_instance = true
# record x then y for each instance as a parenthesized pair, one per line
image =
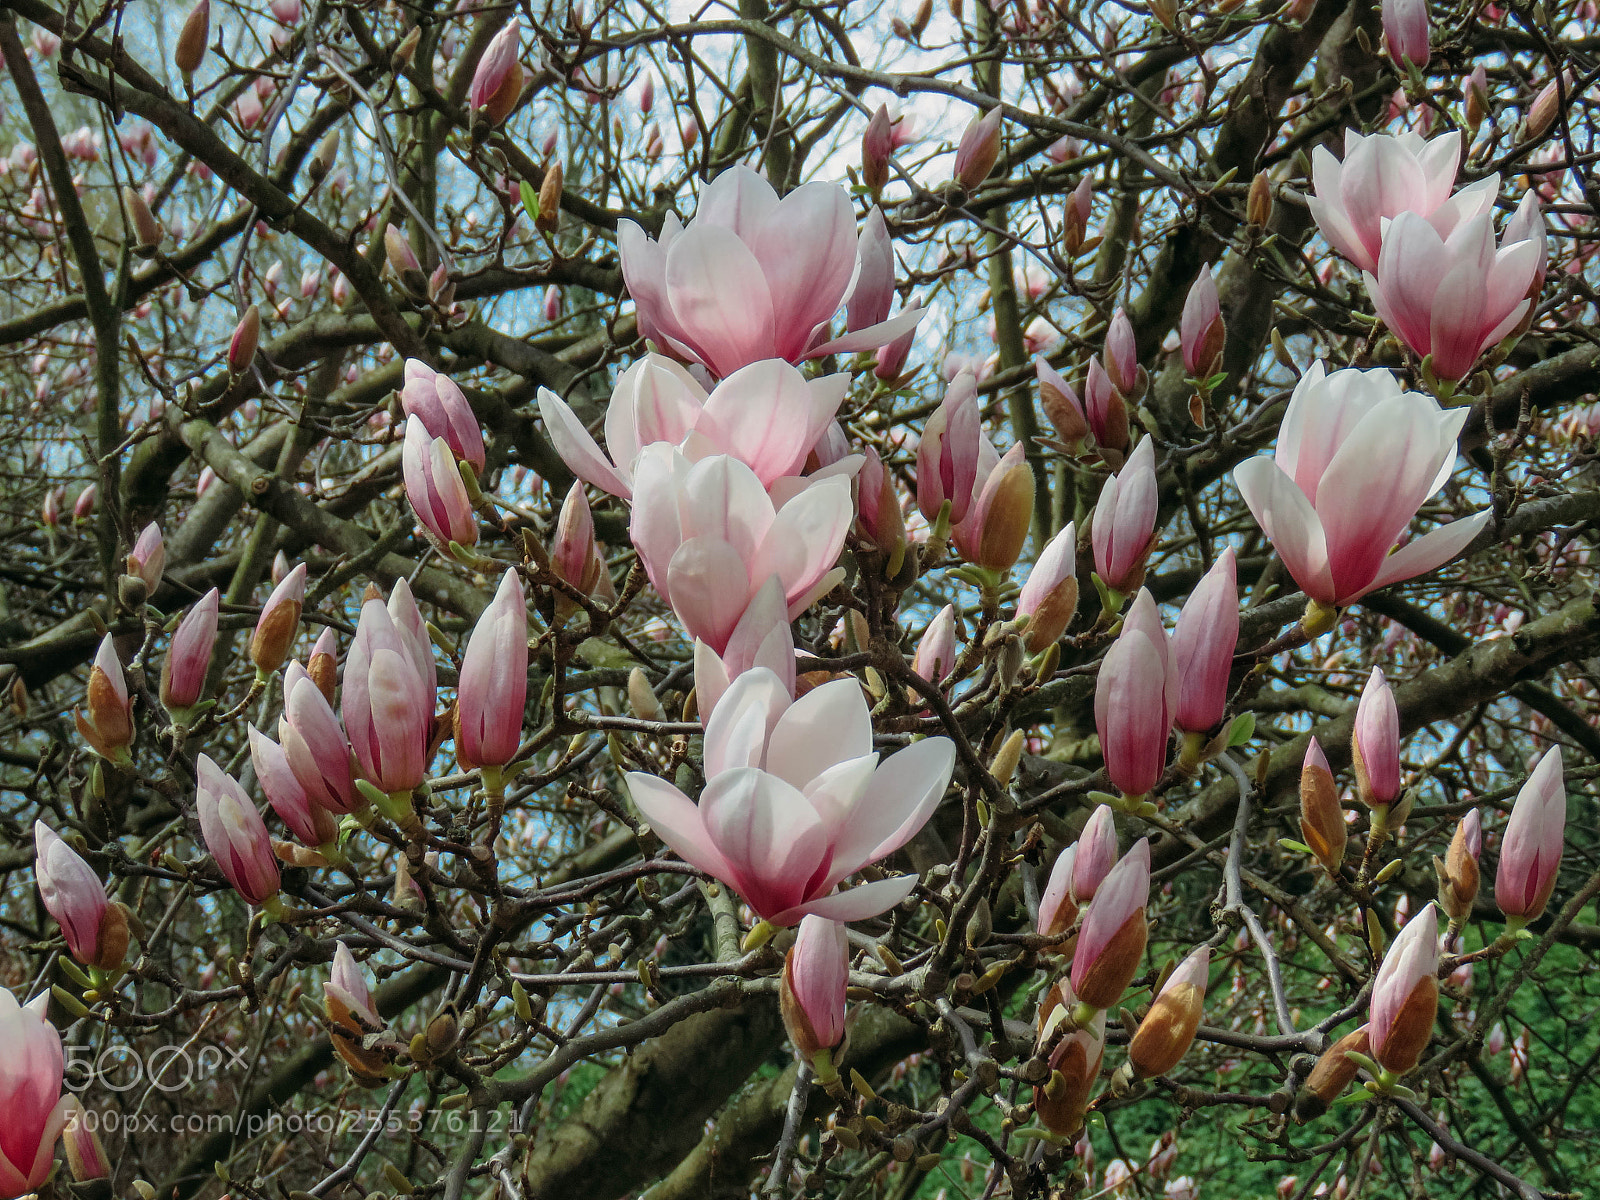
(1399, 1027)
(494, 680)
(444, 411)
(497, 82)
(1136, 698)
(751, 276)
(72, 893)
(30, 1095)
(1384, 175)
(304, 817)
(148, 558)
(1530, 849)
(235, 833)
(1356, 458)
(1112, 937)
(767, 415)
(1375, 742)
(347, 989)
(812, 988)
(387, 713)
(183, 674)
(1203, 645)
(1202, 331)
(762, 638)
(434, 486)
(709, 536)
(1451, 298)
(796, 800)
(1405, 28)
(315, 744)
(948, 451)
(1049, 595)
(936, 651)
(1096, 854)
(978, 149)
(1124, 520)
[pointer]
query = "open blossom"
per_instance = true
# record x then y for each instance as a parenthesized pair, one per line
(30, 1094)
(1405, 994)
(1384, 175)
(443, 409)
(796, 800)
(494, 680)
(709, 536)
(751, 276)
(1450, 298)
(1136, 699)
(235, 833)
(1356, 458)
(1530, 849)
(767, 415)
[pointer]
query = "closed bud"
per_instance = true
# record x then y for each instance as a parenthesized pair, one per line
(246, 338)
(920, 19)
(1375, 743)
(978, 150)
(1166, 12)
(1477, 105)
(323, 665)
(1202, 330)
(1542, 112)
(1007, 757)
(980, 925)
(108, 724)
(279, 622)
(1112, 938)
(86, 1157)
(550, 198)
(327, 152)
(497, 83)
(1075, 220)
(1334, 1072)
(1405, 994)
(190, 50)
(443, 1031)
(1168, 1029)
(1258, 209)
(1074, 1062)
(1049, 596)
(183, 674)
(997, 523)
(811, 990)
(403, 260)
(877, 144)
(1061, 404)
(406, 51)
(642, 697)
(1321, 819)
(1458, 870)
(142, 222)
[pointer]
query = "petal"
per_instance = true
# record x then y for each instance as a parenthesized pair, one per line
(1433, 549)
(770, 835)
(903, 793)
(677, 822)
(827, 725)
(807, 249)
(806, 536)
(723, 498)
(762, 415)
(740, 199)
(738, 728)
(873, 336)
(708, 588)
(1289, 521)
(857, 904)
(720, 298)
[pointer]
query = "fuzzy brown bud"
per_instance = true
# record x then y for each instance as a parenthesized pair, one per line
(1334, 1072)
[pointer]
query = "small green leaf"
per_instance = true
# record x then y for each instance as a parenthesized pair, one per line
(1242, 729)
(530, 200)
(1297, 847)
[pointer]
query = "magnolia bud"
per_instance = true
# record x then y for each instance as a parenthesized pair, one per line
(877, 144)
(642, 697)
(1321, 819)
(1477, 106)
(279, 622)
(1166, 12)
(978, 150)
(142, 222)
(550, 198)
(1164, 1036)
(192, 38)
(1542, 112)
(406, 51)
(326, 153)
(246, 338)
(1458, 870)
(86, 1157)
(403, 261)
(1258, 210)
(1334, 1072)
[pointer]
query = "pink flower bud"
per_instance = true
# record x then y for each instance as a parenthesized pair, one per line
(1202, 331)
(1049, 596)
(812, 988)
(1405, 995)
(74, 896)
(1097, 854)
(1167, 1031)
(874, 290)
(148, 558)
(978, 150)
(1375, 744)
(1405, 28)
(1057, 908)
(494, 681)
(312, 824)
(647, 92)
(996, 525)
(235, 833)
(1124, 520)
(387, 715)
(947, 455)
(936, 652)
(877, 145)
(86, 1157)
(552, 303)
(1203, 645)
(108, 726)
(246, 338)
(574, 556)
(1121, 356)
(402, 258)
(1112, 938)
(50, 511)
(1075, 220)
(1530, 849)
(1061, 404)
(435, 488)
(1107, 413)
(497, 83)
(891, 359)
(878, 505)
(190, 48)
(444, 411)
(183, 674)
(285, 12)
(314, 743)
(1135, 699)
(279, 622)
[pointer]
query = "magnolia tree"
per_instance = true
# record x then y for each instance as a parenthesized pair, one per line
(622, 600)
